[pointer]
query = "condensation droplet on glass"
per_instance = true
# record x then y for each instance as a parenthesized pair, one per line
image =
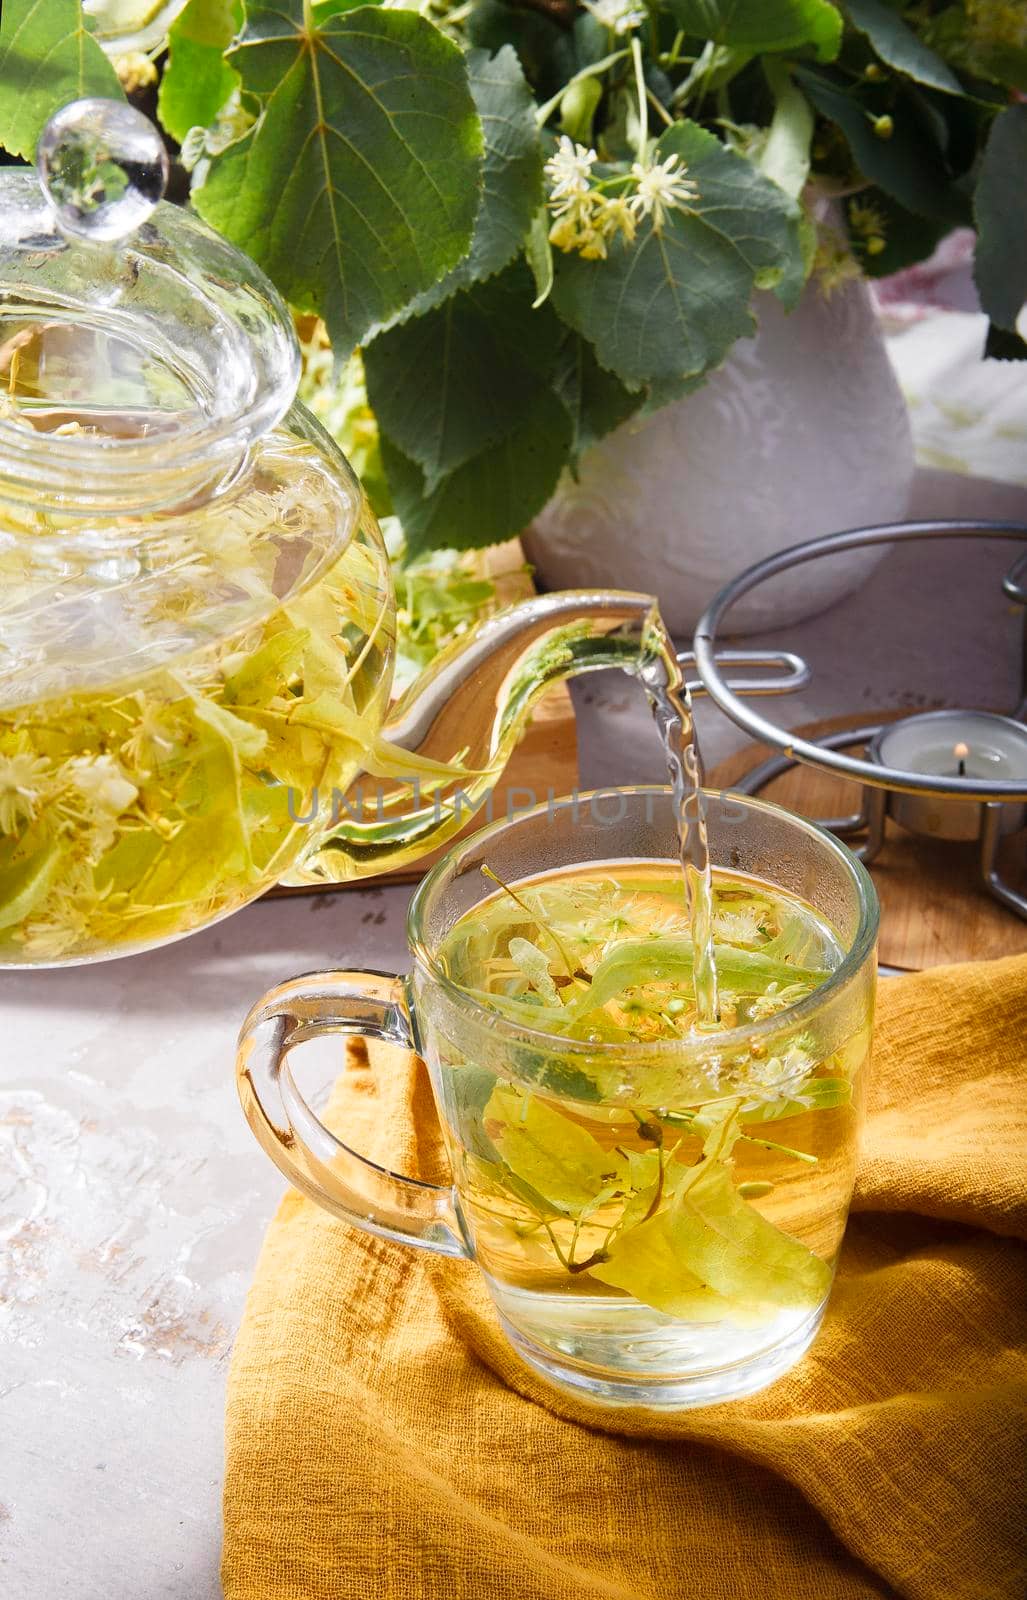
(103, 167)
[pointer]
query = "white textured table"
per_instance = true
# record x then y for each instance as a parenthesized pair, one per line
(133, 1199)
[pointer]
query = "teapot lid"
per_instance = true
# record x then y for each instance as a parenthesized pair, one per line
(137, 341)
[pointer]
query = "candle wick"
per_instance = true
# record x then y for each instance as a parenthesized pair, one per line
(961, 751)
(962, 767)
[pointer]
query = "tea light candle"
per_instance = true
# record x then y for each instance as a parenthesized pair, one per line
(989, 746)
(953, 744)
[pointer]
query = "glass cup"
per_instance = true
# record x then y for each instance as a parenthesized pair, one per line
(731, 1155)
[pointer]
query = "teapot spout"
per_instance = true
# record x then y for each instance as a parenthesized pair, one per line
(462, 718)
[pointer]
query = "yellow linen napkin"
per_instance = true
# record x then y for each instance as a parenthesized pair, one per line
(383, 1441)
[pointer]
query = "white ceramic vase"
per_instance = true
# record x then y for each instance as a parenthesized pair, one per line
(803, 431)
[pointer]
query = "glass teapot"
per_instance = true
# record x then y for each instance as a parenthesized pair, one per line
(196, 615)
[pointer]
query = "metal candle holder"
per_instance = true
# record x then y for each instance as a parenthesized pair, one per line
(996, 806)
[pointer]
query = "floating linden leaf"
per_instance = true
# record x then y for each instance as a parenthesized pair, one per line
(736, 1251)
(23, 884)
(646, 1262)
(548, 1150)
(534, 963)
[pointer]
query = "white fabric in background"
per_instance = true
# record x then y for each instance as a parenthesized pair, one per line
(969, 415)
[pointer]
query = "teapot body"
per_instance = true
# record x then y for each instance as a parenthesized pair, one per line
(174, 685)
(196, 610)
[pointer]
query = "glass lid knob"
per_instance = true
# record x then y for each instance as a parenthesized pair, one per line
(103, 167)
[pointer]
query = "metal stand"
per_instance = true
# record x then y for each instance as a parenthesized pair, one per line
(870, 818)
(878, 781)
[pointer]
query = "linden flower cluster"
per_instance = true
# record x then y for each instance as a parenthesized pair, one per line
(777, 998)
(618, 15)
(22, 783)
(792, 1064)
(585, 218)
(738, 927)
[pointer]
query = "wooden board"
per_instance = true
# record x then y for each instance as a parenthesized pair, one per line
(934, 907)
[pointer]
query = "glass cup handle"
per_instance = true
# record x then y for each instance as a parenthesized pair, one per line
(370, 1005)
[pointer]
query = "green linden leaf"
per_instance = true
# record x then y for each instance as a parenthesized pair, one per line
(280, 659)
(905, 165)
(710, 1255)
(664, 391)
(538, 253)
(898, 45)
(545, 47)
(512, 178)
(559, 1077)
(738, 1252)
(24, 883)
(492, 496)
(433, 381)
(596, 401)
(197, 79)
(763, 25)
(129, 861)
(785, 157)
(672, 304)
(1002, 344)
(359, 185)
(47, 57)
(557, 1157)
(534, 963)
(638, 961)
(466, 1092)
(646, 1262)
(242, 737)
(647, 1182)
(1000, 268)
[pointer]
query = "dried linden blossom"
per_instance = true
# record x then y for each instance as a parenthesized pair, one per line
(597, 916)
(791, 1065)
(777, 998)
(104, 789)
(156, 735)
(67, 925)
(23, 778)
(743, 926)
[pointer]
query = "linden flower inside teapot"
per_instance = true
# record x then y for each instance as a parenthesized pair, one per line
(196, 615)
